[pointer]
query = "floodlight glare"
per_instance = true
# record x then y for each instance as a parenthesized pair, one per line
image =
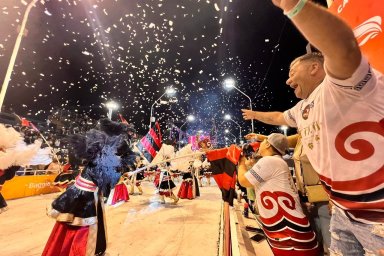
(191, 118)
(229, 83)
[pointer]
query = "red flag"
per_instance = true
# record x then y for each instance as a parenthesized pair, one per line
(24, 122)
(151, 143)
(123, 120)
(223, 165)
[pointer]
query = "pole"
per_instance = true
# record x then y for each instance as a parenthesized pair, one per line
(180, 131)
(14, 53)
(239, 128)
(150, 118)
(250, 104)
(110, 113)
(227, 231)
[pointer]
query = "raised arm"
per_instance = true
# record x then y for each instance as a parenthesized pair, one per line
(328, 33)
(274, 118)
(242, 169)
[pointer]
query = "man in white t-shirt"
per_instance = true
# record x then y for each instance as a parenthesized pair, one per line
(340, 120)
(283, 220)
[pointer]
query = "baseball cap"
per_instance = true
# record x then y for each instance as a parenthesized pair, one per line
(279, 142)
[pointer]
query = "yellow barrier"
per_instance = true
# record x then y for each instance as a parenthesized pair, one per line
(29, 185)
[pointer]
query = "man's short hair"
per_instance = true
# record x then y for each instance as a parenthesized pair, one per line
(313, 56)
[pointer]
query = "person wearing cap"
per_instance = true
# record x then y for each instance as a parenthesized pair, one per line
(283, 221)
(317, 211)
(341, 124)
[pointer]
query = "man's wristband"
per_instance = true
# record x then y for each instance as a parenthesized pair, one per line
(296, 9)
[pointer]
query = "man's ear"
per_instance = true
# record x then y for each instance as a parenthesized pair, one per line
(314, 68)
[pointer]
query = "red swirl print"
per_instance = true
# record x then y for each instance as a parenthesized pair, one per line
(365, 148)
(283, 200)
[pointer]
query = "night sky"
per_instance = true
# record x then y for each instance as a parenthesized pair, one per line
(78, 55)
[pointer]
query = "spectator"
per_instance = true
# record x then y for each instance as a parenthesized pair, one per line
(340, 120)
(283, 220)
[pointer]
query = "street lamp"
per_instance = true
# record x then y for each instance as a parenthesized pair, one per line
(170, 92)
(228, 132)
(230, 83)
(190, 118)
(111, 105)
(228, 117)
(284, 128)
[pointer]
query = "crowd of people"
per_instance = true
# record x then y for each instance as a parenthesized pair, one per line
(331, 204)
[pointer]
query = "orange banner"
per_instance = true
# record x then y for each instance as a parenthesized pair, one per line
(29, 185)
(366, 19)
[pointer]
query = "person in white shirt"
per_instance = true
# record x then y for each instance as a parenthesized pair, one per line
(340, 120)
(283, 220)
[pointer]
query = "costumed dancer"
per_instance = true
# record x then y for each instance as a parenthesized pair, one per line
(80, 224)
(206, 171)
(204, 145)
(119, 193)
(14, 152)
(156, 180)
(167, 185)
(137, 178)
(186, 190)
(189, 188)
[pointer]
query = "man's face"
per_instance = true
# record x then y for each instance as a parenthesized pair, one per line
(263, 147)
(299, 79)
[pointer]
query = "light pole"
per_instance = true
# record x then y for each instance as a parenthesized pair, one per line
(111, 105)
(230, 83)
(190, 118)
(284, 128)
(228, 132)
(228, 117)
(14, 53)
(169, 91)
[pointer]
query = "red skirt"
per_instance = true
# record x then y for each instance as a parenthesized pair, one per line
(120, 193)
(68, 240)
(186, 190)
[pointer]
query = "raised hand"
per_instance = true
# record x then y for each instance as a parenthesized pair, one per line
(247, 114)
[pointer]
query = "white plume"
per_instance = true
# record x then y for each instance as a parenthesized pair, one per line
(13, 149)
(165, 152)
(184, 163)
(197, 163)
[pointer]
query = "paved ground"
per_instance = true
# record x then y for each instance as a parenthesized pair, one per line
(141, 226)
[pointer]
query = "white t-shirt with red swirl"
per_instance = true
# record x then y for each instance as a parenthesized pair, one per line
(342, 128)
(283, 221)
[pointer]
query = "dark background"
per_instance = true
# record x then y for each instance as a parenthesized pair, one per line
(77, 55)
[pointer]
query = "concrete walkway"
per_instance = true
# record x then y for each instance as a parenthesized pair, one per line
(141, 226)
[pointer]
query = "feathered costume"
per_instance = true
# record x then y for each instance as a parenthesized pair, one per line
(166, 184)
(80, 224)
(14, 152)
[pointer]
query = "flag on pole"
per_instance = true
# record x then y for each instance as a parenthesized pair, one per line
(151, 143)
(223, 165)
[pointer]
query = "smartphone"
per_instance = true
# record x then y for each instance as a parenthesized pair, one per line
(258, 237)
